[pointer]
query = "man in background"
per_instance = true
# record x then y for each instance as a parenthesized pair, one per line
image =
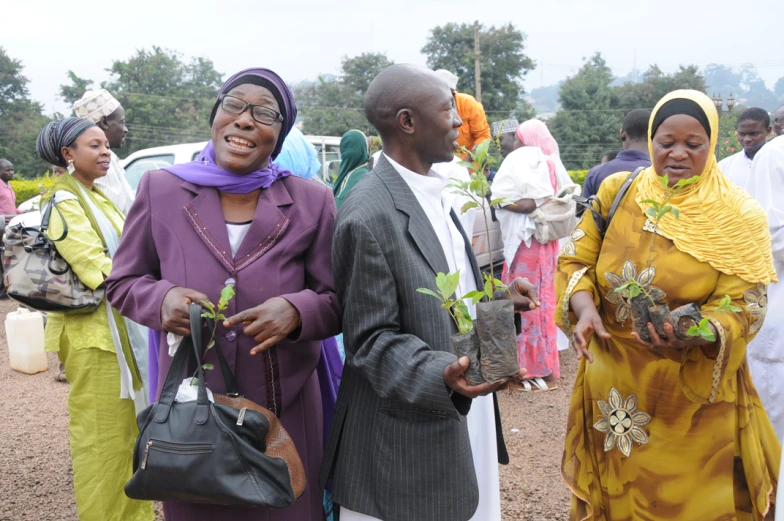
(504, 131)
(634, 135)
(778, 121)
(7, 195)
(752, 128)
(104, 110)
(474, 129)
(766, 358)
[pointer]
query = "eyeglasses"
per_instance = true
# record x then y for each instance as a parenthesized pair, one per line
(260, 113)
(778, 120)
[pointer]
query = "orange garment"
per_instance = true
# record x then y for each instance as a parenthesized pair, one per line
(474, 129)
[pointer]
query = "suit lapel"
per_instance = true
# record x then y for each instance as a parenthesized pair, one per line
(419, 227)
(268, 225)
(205, 215)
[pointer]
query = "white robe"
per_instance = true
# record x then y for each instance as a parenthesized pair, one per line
(737, 168)
(766, 351)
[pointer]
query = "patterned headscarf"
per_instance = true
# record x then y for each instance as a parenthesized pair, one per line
(505, 127)
(95, 104)
(58, 134)
(269, 80)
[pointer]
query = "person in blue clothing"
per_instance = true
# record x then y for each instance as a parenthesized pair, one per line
(634, 135)
(298, 156)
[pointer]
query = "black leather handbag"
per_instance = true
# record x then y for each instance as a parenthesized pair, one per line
(231, 452)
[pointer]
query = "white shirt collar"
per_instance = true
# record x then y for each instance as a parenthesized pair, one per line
(431, 185)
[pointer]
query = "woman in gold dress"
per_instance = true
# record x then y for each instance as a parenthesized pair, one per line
(669, 429)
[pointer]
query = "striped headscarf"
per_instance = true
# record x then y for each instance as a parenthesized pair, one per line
(58, 134)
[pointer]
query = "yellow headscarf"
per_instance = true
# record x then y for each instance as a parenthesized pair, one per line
(719, 222)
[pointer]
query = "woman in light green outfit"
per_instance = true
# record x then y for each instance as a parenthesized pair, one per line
(106, 386)
(354, 157)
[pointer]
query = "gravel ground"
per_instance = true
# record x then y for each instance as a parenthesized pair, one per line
(35, 464)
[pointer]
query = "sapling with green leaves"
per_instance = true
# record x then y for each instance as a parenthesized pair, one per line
(478, 191)
(703, 329)
(215, 313)
(457, 309)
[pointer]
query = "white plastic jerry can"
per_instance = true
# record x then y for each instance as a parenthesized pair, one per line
(24, 332)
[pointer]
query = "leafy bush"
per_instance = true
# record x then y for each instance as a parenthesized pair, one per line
(578, 176)
(28, 188)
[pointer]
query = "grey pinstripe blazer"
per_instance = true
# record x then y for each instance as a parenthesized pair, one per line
(398, 449)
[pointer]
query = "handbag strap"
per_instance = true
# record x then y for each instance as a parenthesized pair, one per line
(187, 347)
(46, 217)
(232, 389)
(602, 223)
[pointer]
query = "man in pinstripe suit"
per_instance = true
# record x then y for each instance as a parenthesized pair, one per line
(399, 445)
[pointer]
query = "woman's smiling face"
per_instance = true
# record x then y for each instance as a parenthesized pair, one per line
(242, 144)
(681, 148)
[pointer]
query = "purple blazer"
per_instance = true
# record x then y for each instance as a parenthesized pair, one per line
(175, 235)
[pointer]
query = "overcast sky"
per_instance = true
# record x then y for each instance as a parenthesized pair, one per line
(302, 39)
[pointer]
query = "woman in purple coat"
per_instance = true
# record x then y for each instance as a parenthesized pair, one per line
(233, 217)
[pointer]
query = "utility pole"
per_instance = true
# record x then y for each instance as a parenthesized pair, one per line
(477, 70)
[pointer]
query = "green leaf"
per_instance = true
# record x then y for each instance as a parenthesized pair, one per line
(466, 164)
(227, 293)
(664, 180)
(452, 282)
(211, 345)
(464, 321)
(207, 367)
(651, 202)
(708, 335)
(475, 296)
(468, 206)
(429, 292)
(441, 283)
(220, 316)
(686, 182)
(693, 331)
(676, 213)
(209, 305)
(194, 382)
(634, 291)
(206, 314)
(489, 287)
(496, 202)
(652, 213)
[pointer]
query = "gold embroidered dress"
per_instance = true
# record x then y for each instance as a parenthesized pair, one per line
(664, 435)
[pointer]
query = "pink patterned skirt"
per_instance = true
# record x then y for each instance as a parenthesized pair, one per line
(537, 345)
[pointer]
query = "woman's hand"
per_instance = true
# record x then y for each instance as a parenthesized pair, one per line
(590, 322)
(268, 324)
(672, 342)
(175, 316)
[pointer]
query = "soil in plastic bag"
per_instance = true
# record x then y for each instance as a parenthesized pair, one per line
(468, 345)
(641, 316)
(660, 315)
(495, 326)
(683, 318)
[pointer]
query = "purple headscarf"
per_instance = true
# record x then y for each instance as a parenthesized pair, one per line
(204, 171)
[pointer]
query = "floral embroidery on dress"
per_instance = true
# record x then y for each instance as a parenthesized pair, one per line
(629, 274)
(622, 423)
(569, 248)
(757, 306)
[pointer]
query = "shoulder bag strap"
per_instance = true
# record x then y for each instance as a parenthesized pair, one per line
(620, 195)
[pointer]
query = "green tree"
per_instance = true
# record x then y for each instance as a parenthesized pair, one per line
(76, 89)
(502, 60)
(656, 84)
(778, 89)
(332, 105)
(21, 119)
(587, 125)
(167, 100)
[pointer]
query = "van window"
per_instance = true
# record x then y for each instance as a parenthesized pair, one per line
(134, 171)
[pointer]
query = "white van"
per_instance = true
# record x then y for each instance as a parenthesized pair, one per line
(141, 161)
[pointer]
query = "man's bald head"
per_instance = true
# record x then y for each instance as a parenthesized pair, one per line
(413, 109)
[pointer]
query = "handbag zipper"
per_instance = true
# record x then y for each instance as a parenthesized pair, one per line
(175, 448)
